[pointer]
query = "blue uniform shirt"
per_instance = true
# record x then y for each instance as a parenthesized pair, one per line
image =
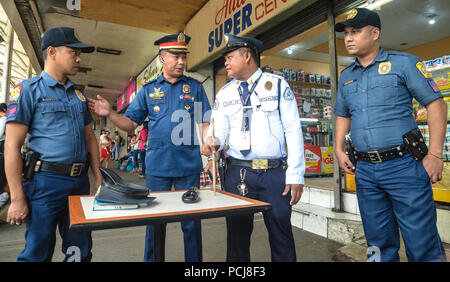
(378, 98)
(55, 116)
(172, 109)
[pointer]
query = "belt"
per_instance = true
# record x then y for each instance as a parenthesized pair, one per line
(382, 155)
(75, 169)
(259, 163)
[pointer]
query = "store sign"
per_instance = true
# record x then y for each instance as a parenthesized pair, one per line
(150, 72)
(313, 159)
(238, 17)
(126, 98)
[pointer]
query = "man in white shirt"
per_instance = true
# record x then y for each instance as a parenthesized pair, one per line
(259, 113)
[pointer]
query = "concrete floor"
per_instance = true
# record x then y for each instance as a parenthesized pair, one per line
(127, 244)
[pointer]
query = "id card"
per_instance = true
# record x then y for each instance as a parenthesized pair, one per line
(244, 141)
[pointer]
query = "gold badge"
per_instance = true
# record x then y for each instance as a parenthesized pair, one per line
(384, 67)
(181, 38)
(156, 109)
(225, 39)
(268, 85)
(421, 67)
(352, 14)
(158, 94)
(80, 96)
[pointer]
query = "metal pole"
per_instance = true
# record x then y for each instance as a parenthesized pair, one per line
(334, 79)
(9, 41)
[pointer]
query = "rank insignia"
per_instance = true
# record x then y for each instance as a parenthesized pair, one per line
(187, 107)
(80, 96)
(421, 67)
(384, 67)
(158, 94)
(268, 85)
(186, 89)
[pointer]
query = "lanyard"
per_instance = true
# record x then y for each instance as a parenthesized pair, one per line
(241, 95)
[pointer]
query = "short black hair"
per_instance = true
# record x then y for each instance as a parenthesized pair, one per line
(3, 107)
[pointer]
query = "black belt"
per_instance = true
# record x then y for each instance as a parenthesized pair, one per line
(75, 169)
(259, 163)
(382, 155)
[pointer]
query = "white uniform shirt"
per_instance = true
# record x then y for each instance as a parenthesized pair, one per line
(271, 129)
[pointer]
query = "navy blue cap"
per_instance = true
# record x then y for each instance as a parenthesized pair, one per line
(358, 18)
(107, 193)
(234, 42)
(63, 36)
(176, 43)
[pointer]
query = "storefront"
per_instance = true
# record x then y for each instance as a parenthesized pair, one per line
(296, 36)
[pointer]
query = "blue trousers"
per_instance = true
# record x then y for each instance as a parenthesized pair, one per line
(266, 186)
(48, 205)
(397, 194)
(192, 233)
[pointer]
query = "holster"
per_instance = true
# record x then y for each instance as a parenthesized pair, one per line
(31, 164)
(415, 144)
(222, 168)
(351, 152)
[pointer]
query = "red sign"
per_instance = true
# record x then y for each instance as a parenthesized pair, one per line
(313, 159)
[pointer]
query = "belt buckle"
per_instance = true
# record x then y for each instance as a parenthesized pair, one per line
(76, 169)
(375, 157)
(260, 164)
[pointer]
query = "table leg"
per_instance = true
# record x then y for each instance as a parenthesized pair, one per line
(160, 242)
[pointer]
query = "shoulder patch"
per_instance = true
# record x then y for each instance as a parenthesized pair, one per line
(14, 97)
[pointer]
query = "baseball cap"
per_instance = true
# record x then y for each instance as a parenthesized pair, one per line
(63, 36)
(358, 18)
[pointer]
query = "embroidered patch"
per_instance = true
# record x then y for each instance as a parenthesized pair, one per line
(12, 110)
(434, 86)
(288, 95)
(421, 67)
(186, 89)
(384, 68)
(14, 97)
(80, 96)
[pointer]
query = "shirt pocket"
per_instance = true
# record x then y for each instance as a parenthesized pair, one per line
(383, 90)
(353, 97)
(157, 108)
(53, 117)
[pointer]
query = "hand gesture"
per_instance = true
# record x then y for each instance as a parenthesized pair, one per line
(100, 106)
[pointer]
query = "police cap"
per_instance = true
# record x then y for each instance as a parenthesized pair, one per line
(358, 18)
(63, 36)
(175, 43)
(234, 42)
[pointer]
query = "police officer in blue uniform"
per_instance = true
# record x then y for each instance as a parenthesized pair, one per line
(375, 100)
(55, 114)
(259, 113)
(173, 103)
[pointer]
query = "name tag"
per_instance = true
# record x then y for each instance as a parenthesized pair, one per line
(244, 141)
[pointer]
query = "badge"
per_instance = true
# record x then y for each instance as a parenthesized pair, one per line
(156, 109)
(181, 38)
(186, 89)
(352, 14)
(384, 67)
(158, 94)
(421, 67)
(80, 96)
(187, 107)
(225, 39)
(268, 85)
(244, 141)
(14, 97)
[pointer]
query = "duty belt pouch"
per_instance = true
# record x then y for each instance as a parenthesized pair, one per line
(415, 144)
(30, 164)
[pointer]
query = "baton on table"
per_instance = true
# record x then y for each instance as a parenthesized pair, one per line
(213, 159)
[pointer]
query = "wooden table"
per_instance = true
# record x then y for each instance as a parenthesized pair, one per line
(167, 207)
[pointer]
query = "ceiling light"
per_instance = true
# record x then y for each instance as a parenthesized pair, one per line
(289, 51)
(374, 4)
(432, 19)
(109, 51)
